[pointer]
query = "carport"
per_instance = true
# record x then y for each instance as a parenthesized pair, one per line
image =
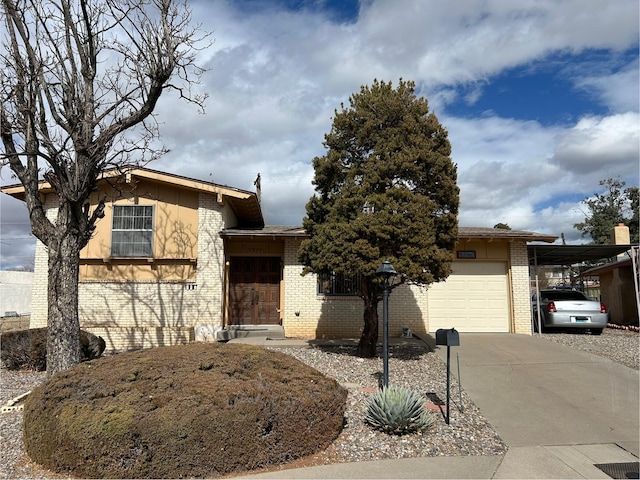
(568, 255)
(571, 254)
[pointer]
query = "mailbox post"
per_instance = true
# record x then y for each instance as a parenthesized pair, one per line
(450, 338)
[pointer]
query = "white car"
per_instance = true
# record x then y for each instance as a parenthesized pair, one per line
(569, 309)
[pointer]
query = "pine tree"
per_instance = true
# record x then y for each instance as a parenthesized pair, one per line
(385, 191)
(614, 205)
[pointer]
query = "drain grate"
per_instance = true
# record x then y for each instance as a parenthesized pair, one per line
(621, 470)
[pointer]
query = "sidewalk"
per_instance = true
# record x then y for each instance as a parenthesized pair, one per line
(561, 411)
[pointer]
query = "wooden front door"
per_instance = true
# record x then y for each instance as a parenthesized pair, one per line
(254, 291)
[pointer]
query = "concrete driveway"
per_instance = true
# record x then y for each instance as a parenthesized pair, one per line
(560, 410)
(549, 402)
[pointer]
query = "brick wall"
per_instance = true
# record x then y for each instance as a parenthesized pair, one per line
(309, 315)
(212, 218)
(520, 287)
(39, 292)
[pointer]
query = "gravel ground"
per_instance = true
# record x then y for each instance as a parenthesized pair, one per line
(410, 365)
(621, 346)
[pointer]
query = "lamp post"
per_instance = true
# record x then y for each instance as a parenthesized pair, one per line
(387, 271)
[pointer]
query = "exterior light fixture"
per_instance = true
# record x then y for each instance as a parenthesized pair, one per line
(386, 271)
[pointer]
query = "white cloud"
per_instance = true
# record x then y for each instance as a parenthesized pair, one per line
(618, 90)
(275, 78)
(609, 144)
(453, 42)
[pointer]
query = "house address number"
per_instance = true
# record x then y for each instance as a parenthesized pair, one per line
(466, 254)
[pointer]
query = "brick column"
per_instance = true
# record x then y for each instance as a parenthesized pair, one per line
(211, 261)
(39, 293)
(520, 287)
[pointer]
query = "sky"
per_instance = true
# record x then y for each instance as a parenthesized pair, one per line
(540, 99)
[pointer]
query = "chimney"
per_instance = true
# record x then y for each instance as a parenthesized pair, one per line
(620, 235)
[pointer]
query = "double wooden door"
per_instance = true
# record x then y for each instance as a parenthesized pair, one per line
(254, 291)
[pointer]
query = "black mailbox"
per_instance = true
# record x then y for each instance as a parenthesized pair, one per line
(448, 337)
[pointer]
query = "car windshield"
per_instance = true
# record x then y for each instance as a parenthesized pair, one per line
(560, 295)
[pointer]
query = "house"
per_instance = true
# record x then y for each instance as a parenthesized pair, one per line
(175, 254)
(15, 299)
(15, 293)
(619, 280)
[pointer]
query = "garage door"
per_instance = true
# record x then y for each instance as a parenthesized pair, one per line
(475, 298)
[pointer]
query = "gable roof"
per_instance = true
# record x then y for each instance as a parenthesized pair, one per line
(245, 204)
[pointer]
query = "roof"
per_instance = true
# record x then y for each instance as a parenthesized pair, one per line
(608, 267)
(245, 204)
(572, 254)
(266, 231)
(499, 233)
(463, 233)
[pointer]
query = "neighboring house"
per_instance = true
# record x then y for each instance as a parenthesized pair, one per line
(619, 280)
(15, 293)
(174, 253)
(618, 290)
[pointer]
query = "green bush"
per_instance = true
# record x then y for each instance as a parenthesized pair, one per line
(27, 349)
(198, 410)
(397, 410)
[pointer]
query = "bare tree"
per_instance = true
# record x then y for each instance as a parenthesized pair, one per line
(79, 82)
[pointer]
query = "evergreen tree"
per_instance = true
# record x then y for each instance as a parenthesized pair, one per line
(502, 226)
(634, 221)
(607, 209)
(385, 190)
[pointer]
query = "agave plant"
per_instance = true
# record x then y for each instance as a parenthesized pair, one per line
(397, 410)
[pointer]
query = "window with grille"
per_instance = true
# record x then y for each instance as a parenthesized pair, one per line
(339, 284)
(132, 231)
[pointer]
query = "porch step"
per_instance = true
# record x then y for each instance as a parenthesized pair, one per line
(243, 331)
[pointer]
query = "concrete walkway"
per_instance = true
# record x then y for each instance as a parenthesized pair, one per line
(560, 410)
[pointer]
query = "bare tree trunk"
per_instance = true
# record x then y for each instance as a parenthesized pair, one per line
(369, 338)
(63, 339)
(64, 114)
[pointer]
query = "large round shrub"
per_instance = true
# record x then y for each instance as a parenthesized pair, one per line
(199, 410)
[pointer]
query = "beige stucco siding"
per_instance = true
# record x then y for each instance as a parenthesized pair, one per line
(175, 236)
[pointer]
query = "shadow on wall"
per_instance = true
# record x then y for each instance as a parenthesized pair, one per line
(342, 316)
(140, 303)
(131, 315)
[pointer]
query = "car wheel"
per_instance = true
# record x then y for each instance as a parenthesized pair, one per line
(596, 331)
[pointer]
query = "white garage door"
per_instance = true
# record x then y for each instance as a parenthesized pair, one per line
(475, 298)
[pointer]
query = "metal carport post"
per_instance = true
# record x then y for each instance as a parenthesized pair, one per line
(535, 263)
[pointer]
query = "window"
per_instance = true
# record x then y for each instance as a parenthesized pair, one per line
(132, 231)
(339, 284)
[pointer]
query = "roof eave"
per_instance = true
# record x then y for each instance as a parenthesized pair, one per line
(244, 203)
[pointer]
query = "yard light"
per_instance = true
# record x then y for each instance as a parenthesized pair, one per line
(387, 271)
